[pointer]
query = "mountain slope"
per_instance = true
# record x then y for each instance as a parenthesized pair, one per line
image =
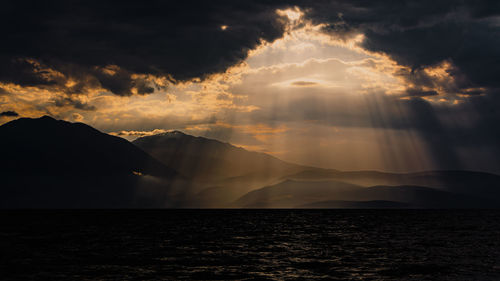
(225, 173)
(341, 204)
(331, 194)
(478, 184)
(211, 160)
(54, 163)
(290, 193)
(58, 164)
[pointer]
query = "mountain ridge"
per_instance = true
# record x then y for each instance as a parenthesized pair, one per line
(59, 164)
(291, 194)
(208, 159)
(55, 163)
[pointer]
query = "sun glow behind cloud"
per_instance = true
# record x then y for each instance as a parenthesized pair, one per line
(309, 97)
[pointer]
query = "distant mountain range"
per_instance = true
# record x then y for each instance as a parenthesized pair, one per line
(332, 194)
(220, 172)
(48, 163)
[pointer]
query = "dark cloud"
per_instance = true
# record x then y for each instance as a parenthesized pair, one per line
(423, 33)
(23, 71)
(121, 82)
(9, 114)
(418, 92)
(67, 101)
(183, 39)
(304, 83)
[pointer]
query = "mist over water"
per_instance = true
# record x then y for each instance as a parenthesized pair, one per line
(250, 244)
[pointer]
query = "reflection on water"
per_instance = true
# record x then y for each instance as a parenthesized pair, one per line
(251, 244)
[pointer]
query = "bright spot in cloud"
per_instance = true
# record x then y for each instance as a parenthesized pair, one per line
(292, 14)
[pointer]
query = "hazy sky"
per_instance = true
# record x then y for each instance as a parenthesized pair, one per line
(386, 85)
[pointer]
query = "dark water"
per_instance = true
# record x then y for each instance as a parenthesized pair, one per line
(250, 245)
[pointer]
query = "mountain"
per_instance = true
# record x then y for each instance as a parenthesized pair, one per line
(334, 194)
(211, 160)
(221, 172)
(221, 193)
(48, 163)
(477, 184)
(229, 176)
(290, 193)
(56, 164)
(340, 204)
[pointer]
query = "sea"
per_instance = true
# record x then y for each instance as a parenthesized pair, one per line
(252, 244)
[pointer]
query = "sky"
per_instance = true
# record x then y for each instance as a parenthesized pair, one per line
(351, 85)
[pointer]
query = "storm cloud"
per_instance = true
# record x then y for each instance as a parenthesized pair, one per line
(181, 39)
(418, 34)
(192, 39)
(9, 114)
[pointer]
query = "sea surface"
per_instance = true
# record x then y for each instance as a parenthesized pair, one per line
(250, 245)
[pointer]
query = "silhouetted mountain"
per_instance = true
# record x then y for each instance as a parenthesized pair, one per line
(225, 173)
(211, 160)
(222, 193)
(339, 204)
(420, 197)
(58, 164)
(478, 184)
(289, 194)
(54, 163)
